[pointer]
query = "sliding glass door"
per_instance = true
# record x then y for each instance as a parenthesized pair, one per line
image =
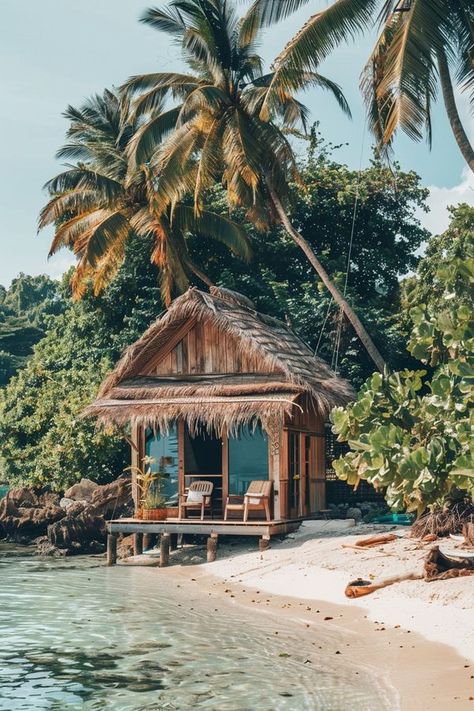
(162, 449)
(248, 459)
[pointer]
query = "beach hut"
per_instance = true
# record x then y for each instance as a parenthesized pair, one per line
(215, 391)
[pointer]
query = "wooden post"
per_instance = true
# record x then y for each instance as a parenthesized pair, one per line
(164, 550)
(264, 543)
(173, 541)
(111, 548)
(138, 544)
(212, 548)
(148, 540)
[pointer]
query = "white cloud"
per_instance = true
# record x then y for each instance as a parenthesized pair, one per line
(437, 220)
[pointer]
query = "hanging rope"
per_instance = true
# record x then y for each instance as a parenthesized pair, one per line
(337, 342)
(320, 338)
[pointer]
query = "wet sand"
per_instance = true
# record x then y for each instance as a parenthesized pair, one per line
(424, 675)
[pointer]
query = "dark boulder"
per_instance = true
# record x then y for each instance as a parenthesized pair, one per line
(26, 514)
(114, 499)
(82, 530)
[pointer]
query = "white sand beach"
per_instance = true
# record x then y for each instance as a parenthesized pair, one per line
(416, 637)
(314, 564)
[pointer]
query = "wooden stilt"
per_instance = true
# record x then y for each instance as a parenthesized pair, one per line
(180, 540)
(264, 543)
(149, 540)
(173, 541)
(164, 550)
(212, 548)
(138, 544)
(111, 549)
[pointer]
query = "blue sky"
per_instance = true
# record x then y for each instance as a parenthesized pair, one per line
(58, 52)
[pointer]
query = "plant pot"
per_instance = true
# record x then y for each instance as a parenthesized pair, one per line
(139, 513)
(154, 514)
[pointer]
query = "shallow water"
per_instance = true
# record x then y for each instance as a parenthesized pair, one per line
(77, 635)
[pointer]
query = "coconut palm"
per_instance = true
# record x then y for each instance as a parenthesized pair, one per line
(97, 204)
(422, 44)
(220, 132)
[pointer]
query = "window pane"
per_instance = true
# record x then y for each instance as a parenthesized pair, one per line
(163, 449)
(248, 459)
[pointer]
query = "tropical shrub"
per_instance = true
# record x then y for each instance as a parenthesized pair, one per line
(44, 440)
(412, 432)
(27, 309)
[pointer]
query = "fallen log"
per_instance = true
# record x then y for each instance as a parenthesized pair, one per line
(360, 587)
(439, 566)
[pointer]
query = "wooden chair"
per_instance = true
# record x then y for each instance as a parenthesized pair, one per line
(197, 497)
(257, 498)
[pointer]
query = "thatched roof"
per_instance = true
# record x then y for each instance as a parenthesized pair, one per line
(289, 370)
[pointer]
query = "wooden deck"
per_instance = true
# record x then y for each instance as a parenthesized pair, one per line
(206, 527)
(170, 529)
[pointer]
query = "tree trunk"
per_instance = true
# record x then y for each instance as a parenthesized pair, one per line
(451, 109)
(323, 275)
(199, 273)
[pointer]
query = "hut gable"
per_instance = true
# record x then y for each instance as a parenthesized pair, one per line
(215, 358)
(205, 349)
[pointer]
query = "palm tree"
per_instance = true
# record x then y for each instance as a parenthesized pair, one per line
(421, 44)
(220, 133)
(97, 204)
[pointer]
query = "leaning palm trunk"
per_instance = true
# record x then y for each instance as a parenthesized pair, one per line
(451, 109)
(323, 275)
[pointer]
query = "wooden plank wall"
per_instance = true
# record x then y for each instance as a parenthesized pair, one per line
(311, 423)
(206, 349)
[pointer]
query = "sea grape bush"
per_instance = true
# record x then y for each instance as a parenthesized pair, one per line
(412, 432)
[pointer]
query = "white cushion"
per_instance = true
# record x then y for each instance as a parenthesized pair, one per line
(254, 501)
(194, 497)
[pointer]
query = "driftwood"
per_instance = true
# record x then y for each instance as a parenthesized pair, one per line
(376, 540)
(439, 567)
(360, 587)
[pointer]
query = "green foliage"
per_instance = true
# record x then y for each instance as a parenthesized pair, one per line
(26, 310)
(412, 432)
(44, 438)
(386, 238)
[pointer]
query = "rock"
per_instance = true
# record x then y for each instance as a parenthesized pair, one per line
(82, 525)
(82, 491)
(354, 512)
(114, 499)
(44, 547)
(125, 546)
(23, 523)
(69, 525)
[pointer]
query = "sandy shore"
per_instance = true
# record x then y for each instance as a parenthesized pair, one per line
(417, 635)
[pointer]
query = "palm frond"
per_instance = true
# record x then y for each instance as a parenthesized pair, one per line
(216, 226)
(82, 177)
(68, 204)
(324, 31)
(146, 140)
(409, 82)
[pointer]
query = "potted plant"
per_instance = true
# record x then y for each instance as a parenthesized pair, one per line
(154, 504)
(151, 504)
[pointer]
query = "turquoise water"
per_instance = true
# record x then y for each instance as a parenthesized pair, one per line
(77, 635)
